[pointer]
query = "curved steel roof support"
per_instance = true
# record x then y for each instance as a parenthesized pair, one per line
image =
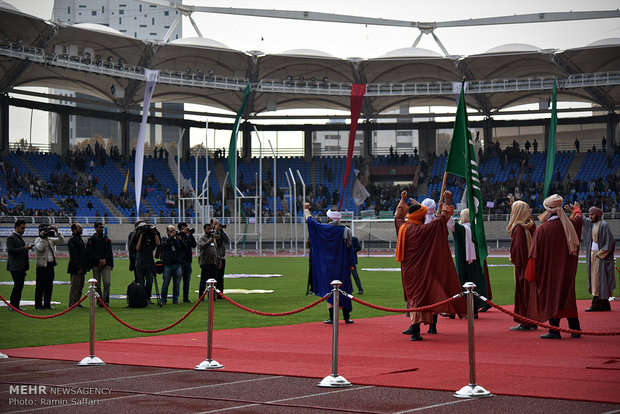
(598, 95)
(482, 100)
(11, 76)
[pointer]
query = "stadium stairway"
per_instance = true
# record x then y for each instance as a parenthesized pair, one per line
(97, 193)
(36, 172)
(313, 174)
(576, 164)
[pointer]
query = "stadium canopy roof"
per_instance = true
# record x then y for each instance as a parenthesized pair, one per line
(107, 64)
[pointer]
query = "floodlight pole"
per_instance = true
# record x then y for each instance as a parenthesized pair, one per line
(290, 171)
(260, 193)
(275, 194)
(303, 184)
(179, 174)
(290, 210)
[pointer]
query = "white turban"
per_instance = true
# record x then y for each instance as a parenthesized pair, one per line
(334, 215)
(429, 203)
(553, 205)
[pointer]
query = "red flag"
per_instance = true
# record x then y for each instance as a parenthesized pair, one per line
(357, 97)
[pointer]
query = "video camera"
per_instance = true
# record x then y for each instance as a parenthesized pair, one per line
(48, 231)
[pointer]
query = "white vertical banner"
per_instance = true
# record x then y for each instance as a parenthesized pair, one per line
(151, 80)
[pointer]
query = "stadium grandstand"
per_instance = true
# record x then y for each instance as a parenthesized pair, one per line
(93, 179)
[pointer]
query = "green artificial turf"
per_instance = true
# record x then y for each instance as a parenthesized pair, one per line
(380, 288)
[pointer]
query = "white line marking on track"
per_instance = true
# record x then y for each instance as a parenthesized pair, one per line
(428, 407)
(286, 399)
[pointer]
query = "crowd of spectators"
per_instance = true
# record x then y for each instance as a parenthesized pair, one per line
(383, 196)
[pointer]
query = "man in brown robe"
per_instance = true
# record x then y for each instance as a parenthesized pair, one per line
(520, 228)
(427, 270)
(600, 246)
(552, 266)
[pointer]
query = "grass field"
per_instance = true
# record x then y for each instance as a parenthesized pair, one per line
(380, 287)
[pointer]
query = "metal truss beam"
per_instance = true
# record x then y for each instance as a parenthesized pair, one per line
(539, 83)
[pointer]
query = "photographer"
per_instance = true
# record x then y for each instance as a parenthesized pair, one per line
(78, 264)
(45, 247)
(221, 239)
(171, 248)
(187, 235)
(208, 259)
(144, 241)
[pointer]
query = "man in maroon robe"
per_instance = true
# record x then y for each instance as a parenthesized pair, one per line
(520, 228)
(552, 266)
(427, 270)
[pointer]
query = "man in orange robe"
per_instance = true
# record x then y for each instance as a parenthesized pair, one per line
(427, 270)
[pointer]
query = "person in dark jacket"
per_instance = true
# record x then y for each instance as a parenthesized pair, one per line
(99, 249)
(356, 248)
(78, 263)
(187, 235)
(171, 248)
(17, 262)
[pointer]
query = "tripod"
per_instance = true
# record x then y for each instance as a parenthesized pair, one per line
(156, 290)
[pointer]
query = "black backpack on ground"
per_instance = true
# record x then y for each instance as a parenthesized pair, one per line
(136, 295)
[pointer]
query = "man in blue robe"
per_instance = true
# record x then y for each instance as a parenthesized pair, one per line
(332, 258)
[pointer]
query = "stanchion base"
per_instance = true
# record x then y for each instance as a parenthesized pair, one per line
(208, 364)
(472, 391)
(91, 360)
(334, 381)
(3, 356)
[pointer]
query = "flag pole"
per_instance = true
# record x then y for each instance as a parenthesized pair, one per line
(443, 188)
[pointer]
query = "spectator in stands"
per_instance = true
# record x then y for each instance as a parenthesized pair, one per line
(45, 249)
(171, 249)
(576, 144)
(17, 262)
(78, 264)
(604, 143)
(99, 249)
(189, 242)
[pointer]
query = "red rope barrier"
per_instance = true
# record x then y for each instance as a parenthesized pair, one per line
(240, 306)
(546, 326)
(152, 330)
(21, 312)
(420, 309)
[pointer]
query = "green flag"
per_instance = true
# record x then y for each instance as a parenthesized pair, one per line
(551, 145)
(232, 147)
(462, 162)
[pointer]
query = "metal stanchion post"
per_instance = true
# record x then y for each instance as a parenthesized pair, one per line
(335, 380)
(92, 359)
(472, 390)
(209, 363)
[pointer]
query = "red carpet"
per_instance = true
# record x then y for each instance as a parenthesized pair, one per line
(374, 352)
